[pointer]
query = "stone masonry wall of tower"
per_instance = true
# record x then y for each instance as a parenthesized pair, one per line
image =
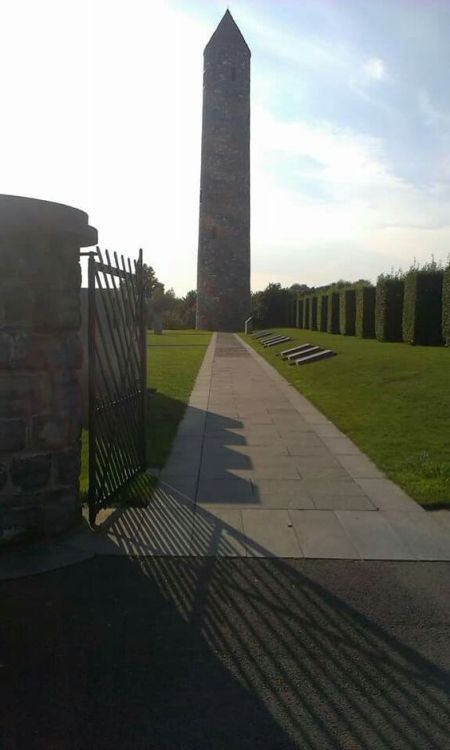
(223, 271)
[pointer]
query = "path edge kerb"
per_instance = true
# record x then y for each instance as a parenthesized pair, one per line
(383, 492)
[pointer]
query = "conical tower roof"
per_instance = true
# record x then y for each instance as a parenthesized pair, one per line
(227, 34)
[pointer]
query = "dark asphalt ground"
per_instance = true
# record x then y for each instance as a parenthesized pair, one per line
(233, 653)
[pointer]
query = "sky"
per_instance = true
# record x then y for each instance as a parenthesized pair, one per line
(350, 128)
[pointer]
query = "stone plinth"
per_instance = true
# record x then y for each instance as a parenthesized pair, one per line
(40, 353)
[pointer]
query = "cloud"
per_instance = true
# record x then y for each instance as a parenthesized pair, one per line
(363, 220)
(374, 68)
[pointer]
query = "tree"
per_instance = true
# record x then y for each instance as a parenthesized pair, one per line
(271, 306)
(150, 280)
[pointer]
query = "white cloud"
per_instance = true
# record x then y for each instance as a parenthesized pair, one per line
(375, 68)
(367, 220)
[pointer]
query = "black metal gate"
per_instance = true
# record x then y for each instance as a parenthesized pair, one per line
(117, 376)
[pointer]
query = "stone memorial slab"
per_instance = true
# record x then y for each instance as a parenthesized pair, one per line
(284, 354)
(261, 334)
(325, 354)
(292, 358)
(277, 342)
(269, 338)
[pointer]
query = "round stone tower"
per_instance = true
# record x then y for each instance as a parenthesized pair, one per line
(223, 270)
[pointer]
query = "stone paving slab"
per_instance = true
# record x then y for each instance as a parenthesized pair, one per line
(321, 534)
(373, 536)
(421, 533)
(388, 496)
(271, 533)
(218, 533)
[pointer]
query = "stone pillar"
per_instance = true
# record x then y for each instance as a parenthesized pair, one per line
(40, 353)
(223, 267)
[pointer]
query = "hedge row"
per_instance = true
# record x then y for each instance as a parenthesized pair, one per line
(422, 307)
(306, 312)
(365, 312)
(446, 307)
(415, 309)
(389, 309)
(347, 311)
(322, 312)
(333, 322)
(313, 313)
(299, 317)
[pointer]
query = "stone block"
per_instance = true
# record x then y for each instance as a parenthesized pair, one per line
(23, 394)
(65, 393)
(59, 510)
(68, 466)
(17, 522)
(64, 352)
(6, 342)
(30, 472)
(11, 257)
(3, 475)
(56, 309)
(53, 432)
(18, 305)
(12, 434)
(27, 351)
(44, 309)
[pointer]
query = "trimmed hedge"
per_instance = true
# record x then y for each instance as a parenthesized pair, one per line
(322, 312)
(446, 307)
(422, 308)
(299, 315)
(389, 309)
(333, 315)
(292, 312)
(313, 313)
(347, 311)
(306, 307)
(365, 312)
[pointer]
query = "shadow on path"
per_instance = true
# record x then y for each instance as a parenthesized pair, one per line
(226, 653)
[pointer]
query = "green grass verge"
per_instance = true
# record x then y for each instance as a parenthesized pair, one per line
(174, 360)
(391, 399)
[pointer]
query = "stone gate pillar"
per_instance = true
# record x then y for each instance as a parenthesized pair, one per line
(40, 352)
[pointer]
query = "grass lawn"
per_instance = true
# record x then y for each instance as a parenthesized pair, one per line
(173, 362)
(392, 400)
(172, 366)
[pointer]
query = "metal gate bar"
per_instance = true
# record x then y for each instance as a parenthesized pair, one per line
(117, 376)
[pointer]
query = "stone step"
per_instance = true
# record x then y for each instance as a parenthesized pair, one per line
(284, 354)
(292, 358)
(270, 338)
(261, 334)
(276, 342)
(324, 354)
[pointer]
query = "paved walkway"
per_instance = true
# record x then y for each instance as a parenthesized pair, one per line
(257, 471)
(264, 473)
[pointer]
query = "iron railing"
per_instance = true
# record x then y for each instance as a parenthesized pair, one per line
(117, 376)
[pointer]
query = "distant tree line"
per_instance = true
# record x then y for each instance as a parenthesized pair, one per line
(411, 306)
(275, 305)
(176, 312)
